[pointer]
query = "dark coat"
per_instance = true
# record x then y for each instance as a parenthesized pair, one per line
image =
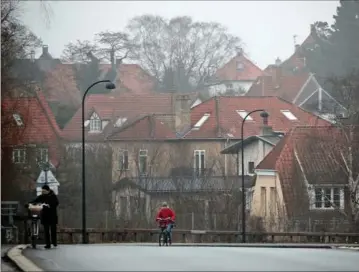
(49, 215)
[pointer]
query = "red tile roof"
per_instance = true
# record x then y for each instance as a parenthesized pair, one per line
(143, 128)
(223, 115)
(276, 83)
(39, 127)
(113, 106)
(133, 78)
(229, 70)
(306, 153)
(60, 85)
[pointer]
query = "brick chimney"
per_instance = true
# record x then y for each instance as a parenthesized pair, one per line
(182, 111)
(266, 130)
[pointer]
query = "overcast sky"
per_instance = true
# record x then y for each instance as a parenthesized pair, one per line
(266, 27)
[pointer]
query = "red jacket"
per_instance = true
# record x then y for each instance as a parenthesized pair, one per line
(164, 213)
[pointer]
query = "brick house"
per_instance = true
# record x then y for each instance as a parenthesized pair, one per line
(235, 77)
(303, 184)
(293, 81)
(30, 135)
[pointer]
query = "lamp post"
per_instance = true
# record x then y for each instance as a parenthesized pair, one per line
(264, 115)
(109, 86)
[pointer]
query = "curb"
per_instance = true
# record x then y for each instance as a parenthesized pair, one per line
(23, 263)
(356, 248)
(318, 246)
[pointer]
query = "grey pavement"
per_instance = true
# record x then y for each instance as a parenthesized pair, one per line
(127, 257)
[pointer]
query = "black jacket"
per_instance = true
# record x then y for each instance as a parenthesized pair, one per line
(49, 214)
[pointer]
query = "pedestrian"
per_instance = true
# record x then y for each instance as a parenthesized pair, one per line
(48, 215)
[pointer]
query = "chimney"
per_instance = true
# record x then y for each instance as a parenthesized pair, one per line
(218, 127)
(278, 62)
(45, 49)
(239, 51)
(118, 62)
(266, 130)
(182, 111)
(32, 55)
(296, 47)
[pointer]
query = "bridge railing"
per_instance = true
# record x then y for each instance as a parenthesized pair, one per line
(73, 236)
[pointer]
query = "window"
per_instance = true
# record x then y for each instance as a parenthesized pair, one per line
(327, 198)
(123, 160)
(42, 155)
(272, 199)
(142, 161)
(249, 198)
(240, 65)
(250, 167)
(202, 120)
(264, 201)
(243, 114)
(18, 119)
(289, 115)
(229, 86)
(199, 159)
(19, 155)
(95, 123)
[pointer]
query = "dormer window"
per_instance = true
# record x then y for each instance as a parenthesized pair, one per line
(95, 123)
(18, 119)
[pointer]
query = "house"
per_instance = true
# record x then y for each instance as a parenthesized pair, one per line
(235, 77)
(300, 88)
(303, 184)
(30, 136)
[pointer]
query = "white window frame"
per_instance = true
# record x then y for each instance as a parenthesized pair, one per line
(243, 114)
(323, 198)
(197, 168)
(142, 153)
(254, 167)
(289, 115)
(19, 155)
(95, 123)
(123, 153)
(18, 119)
(42, 152)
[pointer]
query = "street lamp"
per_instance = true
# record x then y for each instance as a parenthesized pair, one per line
(264, 115)
(109, 86)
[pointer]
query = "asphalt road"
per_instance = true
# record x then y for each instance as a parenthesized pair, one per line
(119, 257)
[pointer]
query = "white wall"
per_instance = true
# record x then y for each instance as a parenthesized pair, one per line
(255, 152)
(221, 88)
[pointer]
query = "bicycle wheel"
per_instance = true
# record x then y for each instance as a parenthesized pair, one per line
(34, 230)
(162, 238)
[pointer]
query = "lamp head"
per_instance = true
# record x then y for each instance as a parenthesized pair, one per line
(110, 86)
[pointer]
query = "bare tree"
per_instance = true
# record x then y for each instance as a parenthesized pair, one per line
(98, 182)
(80, 51)
(114, 45)
(179, 51)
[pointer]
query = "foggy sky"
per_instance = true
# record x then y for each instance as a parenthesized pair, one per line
(266, 27)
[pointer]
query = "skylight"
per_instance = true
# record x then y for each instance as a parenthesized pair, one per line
(289, 115)
(243, 114)
(120, 121)
(201, 121)
(18, 119)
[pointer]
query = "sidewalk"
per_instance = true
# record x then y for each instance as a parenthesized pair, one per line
(6, 266)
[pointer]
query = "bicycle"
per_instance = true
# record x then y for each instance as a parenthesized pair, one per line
(164, 236)
(34, 214)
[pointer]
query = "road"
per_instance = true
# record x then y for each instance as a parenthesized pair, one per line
(118, 257)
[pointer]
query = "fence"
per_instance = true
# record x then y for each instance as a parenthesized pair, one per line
(198, 221)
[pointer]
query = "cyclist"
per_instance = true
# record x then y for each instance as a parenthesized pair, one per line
(168, 216)
(49, 214)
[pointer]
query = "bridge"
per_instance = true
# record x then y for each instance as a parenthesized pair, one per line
(192, 257)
